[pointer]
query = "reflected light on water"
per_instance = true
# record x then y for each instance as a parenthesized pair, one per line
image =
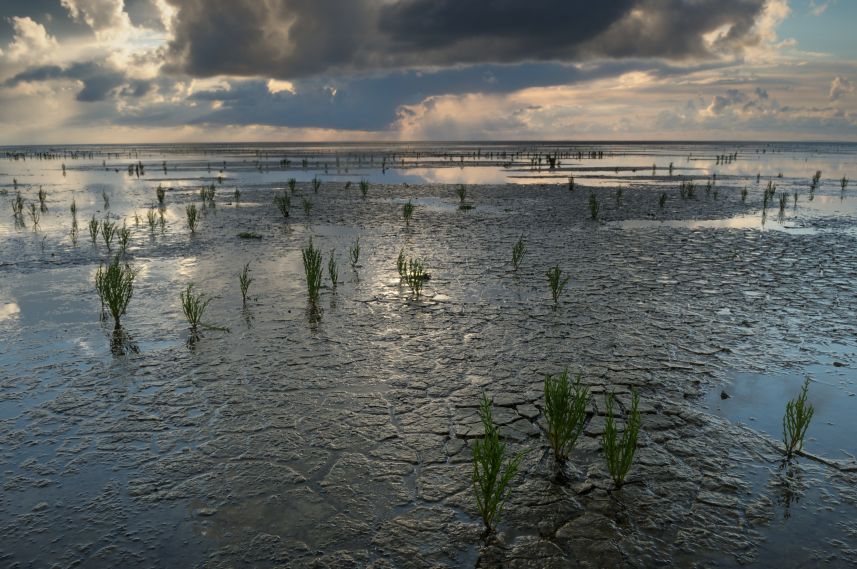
(9, 311)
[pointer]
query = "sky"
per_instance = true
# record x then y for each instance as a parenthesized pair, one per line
(136, 71)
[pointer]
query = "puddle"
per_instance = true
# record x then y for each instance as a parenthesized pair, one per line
(753, 221)
(758, 400)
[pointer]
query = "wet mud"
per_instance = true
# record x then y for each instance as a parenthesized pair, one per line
(345, 441)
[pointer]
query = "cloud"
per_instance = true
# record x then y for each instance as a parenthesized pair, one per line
(289, 39)
(97, 82)
(107, 18)
(31, 43)
(840, 86)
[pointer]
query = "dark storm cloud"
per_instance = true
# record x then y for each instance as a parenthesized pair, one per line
(98, 82)
(277, 38)
(297, 38)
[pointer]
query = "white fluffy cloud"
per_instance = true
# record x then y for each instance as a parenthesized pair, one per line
(107, 18)
(31, 43)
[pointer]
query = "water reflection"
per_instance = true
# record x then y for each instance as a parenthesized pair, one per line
(9, 311)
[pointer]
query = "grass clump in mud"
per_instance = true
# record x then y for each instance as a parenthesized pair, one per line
(161, 193)
(571, 183)
(332, 269)
(557, 282)
(816, 181)
(124, 238)
(662, 200)
(43, 196)
(192, 214)
(74, 225)
(193, 307)
(18, 206)
(401, 264)
(283, 203)
(115, 287)
(364, 187)
(354, 253)
(244, 281)
(619, 451)
(594, 207)
(461, 191)
(34, 215)
(207, 194)
(316, 184)
(784, 201)
(416, 276)
(108, 231)
(151, 219)
(408, 212)
(565, 412)
(796, 420)
(312, 270)
(492, 471)
(306, 205)
(249, 235)
(292, 183)
(94, 227)
(518, 250)
(769, 194)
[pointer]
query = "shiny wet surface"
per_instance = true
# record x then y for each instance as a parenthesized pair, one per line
(344, 442)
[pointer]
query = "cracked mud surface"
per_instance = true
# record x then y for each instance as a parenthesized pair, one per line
(346, 443)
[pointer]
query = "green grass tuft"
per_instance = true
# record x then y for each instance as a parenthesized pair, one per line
(619, 451)
(94, 226)
(244, 281)
(192, 217)
(461, 190)
(108, 231)
(492, 471)
(796, 420)
(312, 271)
(332, 269)
(565, 412)
(115, 286)
(283, 203)
(518, 250)
(354, 253)
(557, 282)
(193, 306)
